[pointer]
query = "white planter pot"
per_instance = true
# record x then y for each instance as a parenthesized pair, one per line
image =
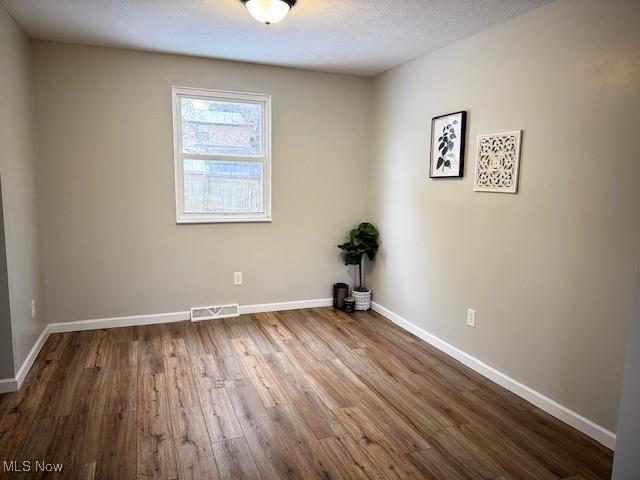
(363, 299)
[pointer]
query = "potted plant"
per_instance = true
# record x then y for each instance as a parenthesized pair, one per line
(362, 241)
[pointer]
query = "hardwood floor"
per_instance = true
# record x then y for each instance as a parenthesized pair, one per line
(299, 394)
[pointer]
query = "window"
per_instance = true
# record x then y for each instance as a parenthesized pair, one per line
(222, 148)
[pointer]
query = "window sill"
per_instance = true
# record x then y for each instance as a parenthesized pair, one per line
(188, 220)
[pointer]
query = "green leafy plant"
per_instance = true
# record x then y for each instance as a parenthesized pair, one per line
(362, 240)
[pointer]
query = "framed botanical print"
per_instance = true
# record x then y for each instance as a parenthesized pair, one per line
(447, 145)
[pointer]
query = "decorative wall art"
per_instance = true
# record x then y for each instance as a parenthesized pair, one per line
(498, 162)
(447, 145)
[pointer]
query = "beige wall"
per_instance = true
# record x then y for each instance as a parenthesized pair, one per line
(6, 347)
(626, 465)
(551, 269)
(19, 200)
(112, 245)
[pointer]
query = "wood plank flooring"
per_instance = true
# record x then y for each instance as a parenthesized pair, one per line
(300, 394)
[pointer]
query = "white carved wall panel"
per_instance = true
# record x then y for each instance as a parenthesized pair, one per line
(497, 162)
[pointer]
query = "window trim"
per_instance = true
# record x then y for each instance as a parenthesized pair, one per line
(178, 156)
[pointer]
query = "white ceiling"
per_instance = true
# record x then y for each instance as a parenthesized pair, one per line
(362, 37)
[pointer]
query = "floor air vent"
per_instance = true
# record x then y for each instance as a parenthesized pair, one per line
(217, 311)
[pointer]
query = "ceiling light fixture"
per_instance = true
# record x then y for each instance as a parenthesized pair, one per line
(268, 11)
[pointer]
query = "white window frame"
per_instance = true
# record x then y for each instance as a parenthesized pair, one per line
(265, 158)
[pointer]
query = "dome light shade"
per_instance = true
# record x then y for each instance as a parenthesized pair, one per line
(269, 11)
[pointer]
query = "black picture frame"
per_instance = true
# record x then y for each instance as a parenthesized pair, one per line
(438, 153)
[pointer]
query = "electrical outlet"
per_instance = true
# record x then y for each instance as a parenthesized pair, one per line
(237, 278)
(33, 309)
(471, 317)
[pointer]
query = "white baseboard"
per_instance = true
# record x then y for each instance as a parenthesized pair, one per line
(12, 384)
(115, 322)
(577, 421)
(31, 357)
(276, 307)
(8, 385)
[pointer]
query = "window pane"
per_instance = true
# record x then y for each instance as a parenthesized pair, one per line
(214, 127)
(214, 186)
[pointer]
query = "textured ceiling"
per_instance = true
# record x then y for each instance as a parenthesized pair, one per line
(363, 37)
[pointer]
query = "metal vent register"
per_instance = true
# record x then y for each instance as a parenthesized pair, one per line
(215, 311)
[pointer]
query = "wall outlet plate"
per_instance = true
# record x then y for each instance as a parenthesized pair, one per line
(471, 317)
(33, 309)
(237, 278)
